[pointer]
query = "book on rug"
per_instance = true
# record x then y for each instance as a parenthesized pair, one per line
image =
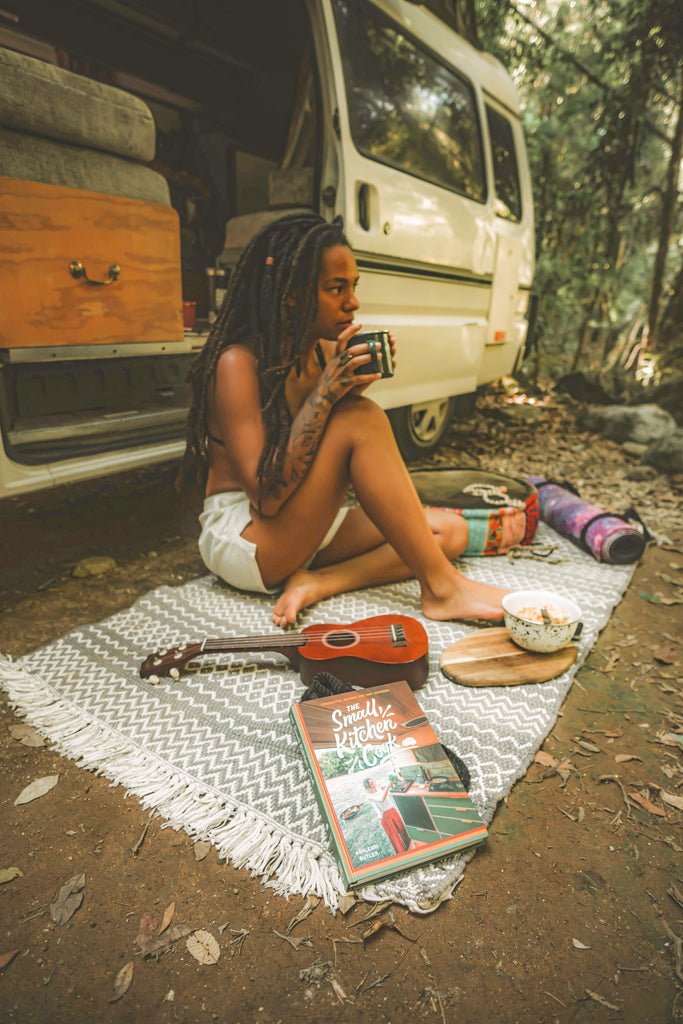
(388, 793)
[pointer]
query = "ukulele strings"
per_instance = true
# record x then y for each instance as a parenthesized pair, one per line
(299, 639)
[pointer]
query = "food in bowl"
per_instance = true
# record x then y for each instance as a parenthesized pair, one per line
(524, 620)
(532, 614)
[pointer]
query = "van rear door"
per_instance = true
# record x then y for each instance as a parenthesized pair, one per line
(412, 188)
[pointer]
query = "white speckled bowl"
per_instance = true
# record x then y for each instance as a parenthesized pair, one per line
(537, 636)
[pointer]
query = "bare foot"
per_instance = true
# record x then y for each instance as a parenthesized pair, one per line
(301, 589)
(470, 600)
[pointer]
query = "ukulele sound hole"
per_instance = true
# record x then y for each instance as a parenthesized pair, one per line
(340, 639)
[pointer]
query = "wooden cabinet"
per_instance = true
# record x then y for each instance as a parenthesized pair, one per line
(44, 228)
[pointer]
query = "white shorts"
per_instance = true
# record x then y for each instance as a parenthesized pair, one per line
(225, 551)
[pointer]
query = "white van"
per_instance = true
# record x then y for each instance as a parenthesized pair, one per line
(370, 109)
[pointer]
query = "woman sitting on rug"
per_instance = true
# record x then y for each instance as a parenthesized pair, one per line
(279, 429)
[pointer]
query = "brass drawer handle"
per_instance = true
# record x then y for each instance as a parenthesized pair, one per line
(77, 270)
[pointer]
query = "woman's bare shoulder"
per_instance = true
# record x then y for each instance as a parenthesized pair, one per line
(236, 357)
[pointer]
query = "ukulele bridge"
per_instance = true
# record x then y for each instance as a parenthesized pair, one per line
(398, 636)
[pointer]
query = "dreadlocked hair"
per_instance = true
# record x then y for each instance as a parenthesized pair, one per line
(271, 301)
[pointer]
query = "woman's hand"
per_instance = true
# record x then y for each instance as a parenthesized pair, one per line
(350, 358)
(344, 345)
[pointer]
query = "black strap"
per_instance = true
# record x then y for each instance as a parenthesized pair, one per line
(559, 483)
(324, 685)
(320, 355)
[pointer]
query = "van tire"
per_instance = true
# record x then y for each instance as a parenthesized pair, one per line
(419, 428)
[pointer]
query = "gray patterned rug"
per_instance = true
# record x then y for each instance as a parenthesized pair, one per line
(213, 752)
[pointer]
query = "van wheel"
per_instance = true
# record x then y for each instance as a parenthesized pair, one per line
(419, 428)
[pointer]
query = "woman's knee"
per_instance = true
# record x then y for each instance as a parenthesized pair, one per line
(358, 413)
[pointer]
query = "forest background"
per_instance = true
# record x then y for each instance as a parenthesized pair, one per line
(601, 86)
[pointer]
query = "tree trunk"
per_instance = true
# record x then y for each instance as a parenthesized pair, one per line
(669, 201)
(671, 323)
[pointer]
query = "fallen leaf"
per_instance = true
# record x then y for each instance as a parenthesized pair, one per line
(647, 804)
(378, 926)
(627, 757)
(316, 971)
(203, 947)
(94, 565)
(294, 942)
(68, 900)
(6, 958)
(163, 943)
(579, 945)
(589, 746)
(305, 911)
(38, 788)
(27, 735)
(148, 923)
(339, 991)
(616, 735)
(671, 799)
(649, 597)
(673, 892)
(201, 849)
(599, 999)
(7, 874)
(614, 658)
(346, 901)
(670, 739)
(122, 981)
(167, 918)
(665, 654)
(540, 757)
(240, 936)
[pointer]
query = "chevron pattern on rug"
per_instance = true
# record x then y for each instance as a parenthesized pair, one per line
(213, 751)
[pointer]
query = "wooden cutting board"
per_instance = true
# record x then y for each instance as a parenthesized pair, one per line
(490, 658)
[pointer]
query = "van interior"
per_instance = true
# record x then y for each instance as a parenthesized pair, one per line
(232, 89)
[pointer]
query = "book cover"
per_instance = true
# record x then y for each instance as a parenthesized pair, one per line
(388, 793)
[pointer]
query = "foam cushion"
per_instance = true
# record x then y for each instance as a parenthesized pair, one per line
(45, 100)
(34, 159)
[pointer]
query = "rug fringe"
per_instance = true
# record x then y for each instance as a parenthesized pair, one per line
(286, 865)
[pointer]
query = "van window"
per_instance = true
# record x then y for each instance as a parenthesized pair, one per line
(506, 176)
(406, 109)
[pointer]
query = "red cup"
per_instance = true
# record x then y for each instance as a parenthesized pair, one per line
(189, 315)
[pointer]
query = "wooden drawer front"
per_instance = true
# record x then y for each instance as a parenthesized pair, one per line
(44, 227)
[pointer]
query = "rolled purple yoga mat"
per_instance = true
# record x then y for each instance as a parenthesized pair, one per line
(607, 536)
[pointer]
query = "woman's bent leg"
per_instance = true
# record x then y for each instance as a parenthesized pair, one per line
(358, 447)
(376, 564)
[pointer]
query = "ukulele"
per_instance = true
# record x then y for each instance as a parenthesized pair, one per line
(381, 649)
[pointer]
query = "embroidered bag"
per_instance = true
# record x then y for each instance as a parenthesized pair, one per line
(501, 511)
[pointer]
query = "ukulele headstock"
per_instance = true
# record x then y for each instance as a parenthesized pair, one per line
(160, 664)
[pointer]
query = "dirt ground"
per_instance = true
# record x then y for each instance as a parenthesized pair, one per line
(572, 912)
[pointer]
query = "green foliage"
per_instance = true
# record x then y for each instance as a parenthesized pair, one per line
(600, 81)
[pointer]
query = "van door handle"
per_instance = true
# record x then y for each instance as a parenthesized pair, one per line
(364, 207)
